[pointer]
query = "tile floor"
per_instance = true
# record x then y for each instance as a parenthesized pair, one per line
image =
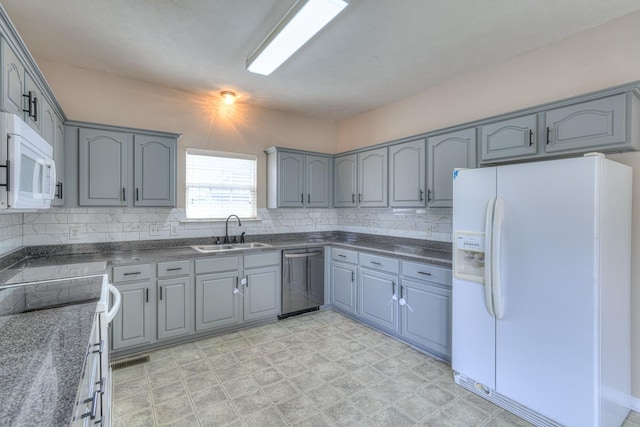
(320, 369)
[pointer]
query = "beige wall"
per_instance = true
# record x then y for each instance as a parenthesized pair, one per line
(202, 120)
(596, 59)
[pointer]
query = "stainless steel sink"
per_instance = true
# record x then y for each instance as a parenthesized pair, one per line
(232, 247)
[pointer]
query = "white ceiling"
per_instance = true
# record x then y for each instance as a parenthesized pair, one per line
(375, 52)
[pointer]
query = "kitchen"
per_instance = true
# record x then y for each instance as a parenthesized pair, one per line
(598, 58)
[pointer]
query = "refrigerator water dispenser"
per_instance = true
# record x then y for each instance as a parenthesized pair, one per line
(469, 256)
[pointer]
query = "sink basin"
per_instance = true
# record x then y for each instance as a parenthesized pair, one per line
(226, 247)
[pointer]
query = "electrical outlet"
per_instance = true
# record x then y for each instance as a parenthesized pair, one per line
(154, 230)
(315, 223)
(74, 232)
(174, 229)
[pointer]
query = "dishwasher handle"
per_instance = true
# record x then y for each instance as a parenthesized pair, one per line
(303, 255)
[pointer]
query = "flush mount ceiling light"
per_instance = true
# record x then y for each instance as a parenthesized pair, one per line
(228, 97)
(302, 22)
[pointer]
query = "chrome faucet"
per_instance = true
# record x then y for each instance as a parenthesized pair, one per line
(226, 227)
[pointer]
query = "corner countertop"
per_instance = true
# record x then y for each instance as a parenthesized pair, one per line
(41, 362)
(62, 261)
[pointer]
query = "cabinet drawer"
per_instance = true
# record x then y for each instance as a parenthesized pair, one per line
(129, 273)
(215, 265)
(344, 255)
(262, 259)
(173, 268)
(426, 272)
(379, 263)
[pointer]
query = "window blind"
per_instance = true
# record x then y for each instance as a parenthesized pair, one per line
(220, 184)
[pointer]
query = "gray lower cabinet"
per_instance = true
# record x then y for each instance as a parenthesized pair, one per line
(134, 322)
(444, 154)
(216, 303)
(407, 174)
(594, 124)
(103, 158)
(262, 285)
(509, 139)
(376, 302)
(174, 307)
(154, 171)
(345, 181)
(343, 287)
(426, 316)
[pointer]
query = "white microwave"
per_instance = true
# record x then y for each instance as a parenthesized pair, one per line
(29, 182)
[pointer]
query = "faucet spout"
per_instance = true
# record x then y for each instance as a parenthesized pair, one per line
(226, 227)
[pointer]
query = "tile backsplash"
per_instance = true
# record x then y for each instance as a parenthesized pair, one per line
(89, 225)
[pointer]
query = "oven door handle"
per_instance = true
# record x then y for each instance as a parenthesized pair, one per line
(303, 255)
(116, 303)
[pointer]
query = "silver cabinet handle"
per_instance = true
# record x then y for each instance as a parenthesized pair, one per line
(94, 405)
(308, 198)
(132, 274)
(401, 291)
(359, 197)
(174, 269)
(353, 198)
(100, 347)
(375, 263)
(342, 256)
(422, 272)
(428, 195)
(160, 293)
(393, 288)
(548, 135)
(353, 276)
(530, 137)
(302, 198)
(421, 195)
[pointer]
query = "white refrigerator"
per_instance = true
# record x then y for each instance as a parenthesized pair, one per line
(541, 289)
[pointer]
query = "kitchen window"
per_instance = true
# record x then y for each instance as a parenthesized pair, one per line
(220, 184)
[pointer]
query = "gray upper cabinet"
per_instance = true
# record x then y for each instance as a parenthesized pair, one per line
(509, 139)
(345, 181)
(103, 167)
(317, 181)
(297, 180)
(407, 174)
(290, 180)
(445, 153)
(119, 166)
(58, 157)
(372, 178)
(154, 178)
(13, 83)
(592, 124)
(48, 122)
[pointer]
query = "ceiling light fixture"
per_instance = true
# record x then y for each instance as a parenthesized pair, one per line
(228, 97)
(303, 21)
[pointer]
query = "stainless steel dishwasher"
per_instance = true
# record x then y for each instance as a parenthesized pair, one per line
(302, 281)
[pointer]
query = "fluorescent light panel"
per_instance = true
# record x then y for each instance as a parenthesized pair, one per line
(303, 21)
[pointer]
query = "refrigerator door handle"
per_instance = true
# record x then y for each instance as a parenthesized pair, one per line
(496, 250)
(488, 256)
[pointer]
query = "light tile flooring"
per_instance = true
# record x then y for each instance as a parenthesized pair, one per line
(320, 369)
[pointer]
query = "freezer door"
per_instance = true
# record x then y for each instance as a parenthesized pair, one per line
(546, 341)
(473, 328)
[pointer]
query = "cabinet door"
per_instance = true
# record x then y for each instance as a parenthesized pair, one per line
(133, 323)
(262, 293)
(587, 125)
(375, 303)
(372, 178)
(291, 186)
(48, 122)
(35, 119)
(103, 158)
(444, 154)
(58, 157)
(13, 84)
(174, 307)
(154, 171)
(317, 181)
(216, 303)
(345, 181)
(509, 138)
(343, 287)
(428, 321)
(407, 174)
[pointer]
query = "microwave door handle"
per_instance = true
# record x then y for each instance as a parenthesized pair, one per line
(38, 179)
(51, 191)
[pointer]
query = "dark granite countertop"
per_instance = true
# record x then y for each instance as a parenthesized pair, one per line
(41, 361)
(50, 262)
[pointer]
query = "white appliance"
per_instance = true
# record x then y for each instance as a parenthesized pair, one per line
(30, 179)
(541, 289)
